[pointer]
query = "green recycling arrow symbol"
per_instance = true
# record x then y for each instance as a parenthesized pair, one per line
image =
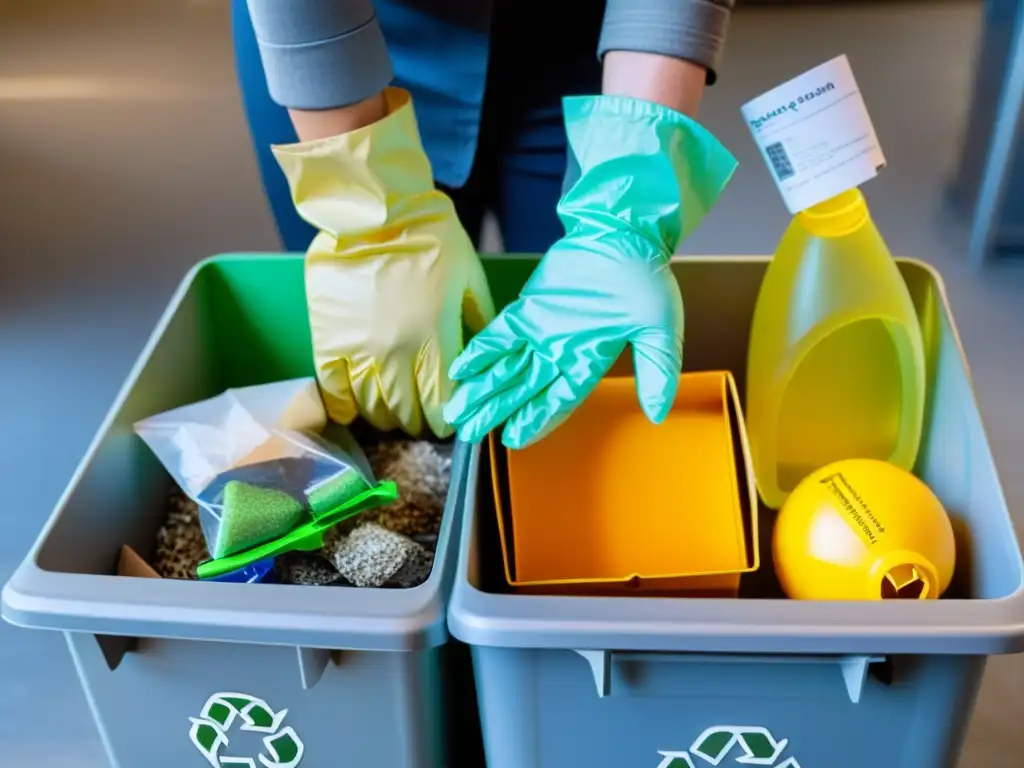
(209, 732)
(757, 746)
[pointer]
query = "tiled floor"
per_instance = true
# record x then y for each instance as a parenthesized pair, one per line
(124, 159)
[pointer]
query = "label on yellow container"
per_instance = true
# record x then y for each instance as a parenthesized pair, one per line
(849, 502)
(815, 134)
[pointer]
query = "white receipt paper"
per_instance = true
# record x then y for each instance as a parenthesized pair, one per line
(815, 135)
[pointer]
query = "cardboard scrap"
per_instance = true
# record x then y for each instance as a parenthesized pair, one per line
(130, 563)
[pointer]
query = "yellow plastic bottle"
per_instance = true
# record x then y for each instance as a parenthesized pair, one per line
(836, 365)
(863, 529)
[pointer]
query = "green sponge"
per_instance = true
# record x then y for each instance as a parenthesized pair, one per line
(307, 537)
(253, 515)
(338, 490)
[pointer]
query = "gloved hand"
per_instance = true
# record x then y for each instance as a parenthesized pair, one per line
(390, 276)
(648, 175)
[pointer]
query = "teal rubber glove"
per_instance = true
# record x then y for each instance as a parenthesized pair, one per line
(647, 176)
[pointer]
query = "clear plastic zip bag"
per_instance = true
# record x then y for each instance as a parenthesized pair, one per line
(265, 480)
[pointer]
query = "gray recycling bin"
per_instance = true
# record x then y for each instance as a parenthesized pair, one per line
(761, 680)
(182, 673)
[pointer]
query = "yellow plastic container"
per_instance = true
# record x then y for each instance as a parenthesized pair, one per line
(611, 503)
(863, 530)
(836, 365)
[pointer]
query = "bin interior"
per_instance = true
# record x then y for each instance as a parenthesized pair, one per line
(241, 321)
(955, 460)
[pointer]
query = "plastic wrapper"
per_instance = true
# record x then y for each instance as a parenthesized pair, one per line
(264, 481)
(197, 442)
(260, 572)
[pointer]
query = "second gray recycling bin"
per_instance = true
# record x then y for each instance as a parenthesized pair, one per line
(674, 683)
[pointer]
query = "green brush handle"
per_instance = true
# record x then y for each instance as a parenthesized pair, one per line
(307, 537)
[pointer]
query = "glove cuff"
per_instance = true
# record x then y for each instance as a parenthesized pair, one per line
(650, 167)
(372, 173)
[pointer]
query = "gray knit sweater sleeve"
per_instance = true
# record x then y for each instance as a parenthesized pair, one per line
(320, 55)
(684, 29)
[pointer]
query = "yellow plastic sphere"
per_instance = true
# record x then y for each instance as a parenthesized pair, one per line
(862, 529)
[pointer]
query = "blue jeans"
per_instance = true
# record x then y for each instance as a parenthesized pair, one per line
(521, 153)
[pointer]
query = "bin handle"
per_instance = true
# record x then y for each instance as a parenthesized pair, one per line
(113, 648)
(854, 668)
(312, 663)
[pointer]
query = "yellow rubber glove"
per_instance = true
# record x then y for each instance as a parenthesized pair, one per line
(390, 276)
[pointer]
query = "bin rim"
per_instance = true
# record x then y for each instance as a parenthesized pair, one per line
(949, 626)
(345, 618)
(107, 605)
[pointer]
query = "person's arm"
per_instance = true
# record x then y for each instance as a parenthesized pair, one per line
(312, 124)
(663, 51)
(325, 61)
(674, 83)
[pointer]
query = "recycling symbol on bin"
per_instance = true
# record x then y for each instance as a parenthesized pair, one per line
(209, 733)
(749, 744)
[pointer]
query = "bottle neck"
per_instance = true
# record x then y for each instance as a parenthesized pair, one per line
(841, 215)
(902, 575)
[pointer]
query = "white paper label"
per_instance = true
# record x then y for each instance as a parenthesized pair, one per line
(815, 135)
